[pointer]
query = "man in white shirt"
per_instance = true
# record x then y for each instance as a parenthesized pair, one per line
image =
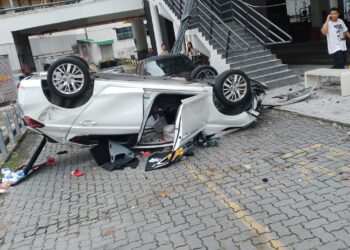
(336, 31)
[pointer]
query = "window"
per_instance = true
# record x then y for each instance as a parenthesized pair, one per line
(124, 33)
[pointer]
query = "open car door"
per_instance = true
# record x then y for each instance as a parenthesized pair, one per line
(191, 119)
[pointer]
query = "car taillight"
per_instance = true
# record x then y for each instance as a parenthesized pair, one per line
(32, 123)
(18, 85)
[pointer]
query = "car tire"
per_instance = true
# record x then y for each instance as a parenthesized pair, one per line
(203, 72)
(68, 78)
(80, 59)
(232, 87)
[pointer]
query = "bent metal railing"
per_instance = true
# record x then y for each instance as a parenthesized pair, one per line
(214, 27)
(185, 19)
(265, 31)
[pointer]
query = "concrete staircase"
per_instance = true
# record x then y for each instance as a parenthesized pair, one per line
(258, 62)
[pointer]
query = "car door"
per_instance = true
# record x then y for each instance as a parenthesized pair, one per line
(191, 119)
(114, 111)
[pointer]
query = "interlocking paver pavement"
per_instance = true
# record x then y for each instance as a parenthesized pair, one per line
(214, 200)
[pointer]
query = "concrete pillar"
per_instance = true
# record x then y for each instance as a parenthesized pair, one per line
(11, 3)
(138, 30)
(176, 29)
(156, 26)
(24, 51)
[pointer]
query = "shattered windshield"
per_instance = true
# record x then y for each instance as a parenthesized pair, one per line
(169, 66)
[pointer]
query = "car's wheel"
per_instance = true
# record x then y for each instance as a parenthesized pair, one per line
(68, 77)
(80, 59)
(232, 87)
(203, 72)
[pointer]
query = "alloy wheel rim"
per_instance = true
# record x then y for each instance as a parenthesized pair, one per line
(235, 88)
(68, 78)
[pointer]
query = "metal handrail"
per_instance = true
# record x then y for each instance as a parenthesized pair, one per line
(255, 23)
(36, 6)
(212, 24)
(218, 23)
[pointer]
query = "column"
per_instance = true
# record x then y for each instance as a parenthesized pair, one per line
(138, 30)
(176, 29)
(11, 3)
(156, 26)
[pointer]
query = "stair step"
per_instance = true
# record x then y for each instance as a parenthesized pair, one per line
(250, 40)
(242, 34)
(222, 37)
(237, 53)
(260, 65)
(248, 55)
(274, 75)
(217, 46)
(265, 71)
(251, 61)
(283, 81)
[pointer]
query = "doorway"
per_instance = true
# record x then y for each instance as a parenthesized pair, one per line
(170, 33)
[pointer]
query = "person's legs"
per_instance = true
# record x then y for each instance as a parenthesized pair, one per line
(338, 60)
(345, 58)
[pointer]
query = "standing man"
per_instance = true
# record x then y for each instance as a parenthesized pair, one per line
(336, 31)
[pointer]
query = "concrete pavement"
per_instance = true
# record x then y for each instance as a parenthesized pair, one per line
(282, 184)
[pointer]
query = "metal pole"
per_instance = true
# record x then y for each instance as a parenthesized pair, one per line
(27, 168)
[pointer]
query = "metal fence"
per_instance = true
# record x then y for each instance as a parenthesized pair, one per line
(8, 92)
(11, 126)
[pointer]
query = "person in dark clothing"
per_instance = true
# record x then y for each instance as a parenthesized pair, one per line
(150, 53)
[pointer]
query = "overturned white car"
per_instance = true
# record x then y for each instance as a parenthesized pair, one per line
(71, 106)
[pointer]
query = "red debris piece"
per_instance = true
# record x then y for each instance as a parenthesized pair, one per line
(145, 153)
(77, 172)
(51, 161)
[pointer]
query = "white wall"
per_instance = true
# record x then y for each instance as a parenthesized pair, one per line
(62, 14)
(202, 44)
(85, 12)
(48, 44)
(60, 42)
